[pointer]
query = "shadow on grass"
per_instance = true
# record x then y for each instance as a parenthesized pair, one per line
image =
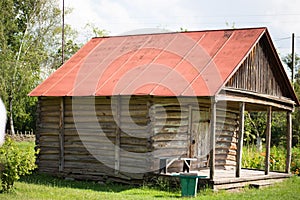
(54, 182)
(50, 181)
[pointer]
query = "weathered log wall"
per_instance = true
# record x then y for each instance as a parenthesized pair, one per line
(47, 136)
(122, 138)
(226, 137)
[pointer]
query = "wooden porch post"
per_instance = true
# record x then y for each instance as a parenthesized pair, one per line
(61, 135)
(118, 135)
(212, 138)
(288, 142)
(268, 140)
(240, 141)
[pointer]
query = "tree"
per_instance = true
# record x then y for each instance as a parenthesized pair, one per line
(27, 27)
(288, 61)
(296, 115)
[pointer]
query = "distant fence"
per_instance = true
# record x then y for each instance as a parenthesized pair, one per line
(9, 132)
(21, 135)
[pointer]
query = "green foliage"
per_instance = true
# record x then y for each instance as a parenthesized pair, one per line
(295, 165)
(254, 159)
(26, 26)
(15, 162)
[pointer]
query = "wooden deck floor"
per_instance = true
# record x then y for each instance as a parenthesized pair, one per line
(225, 179)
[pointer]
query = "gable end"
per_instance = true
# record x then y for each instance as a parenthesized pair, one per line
(259, 73)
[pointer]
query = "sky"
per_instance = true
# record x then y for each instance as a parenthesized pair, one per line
(118, 17)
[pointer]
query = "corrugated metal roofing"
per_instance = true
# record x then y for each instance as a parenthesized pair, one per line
(169, 64)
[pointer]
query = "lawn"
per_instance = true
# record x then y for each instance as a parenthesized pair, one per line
(38, 186)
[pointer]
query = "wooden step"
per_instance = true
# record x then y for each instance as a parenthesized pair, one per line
(264, 183)
(251, 184)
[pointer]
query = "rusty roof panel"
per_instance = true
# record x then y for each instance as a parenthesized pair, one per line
(169, 64)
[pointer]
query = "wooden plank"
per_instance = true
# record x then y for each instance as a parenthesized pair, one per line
(288, 142)
(240, 140)
(251, 97)
(212, 138)
(118, 135)
(268, 140)
(61, 135)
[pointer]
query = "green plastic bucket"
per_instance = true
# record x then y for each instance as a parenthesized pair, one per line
(189, 183)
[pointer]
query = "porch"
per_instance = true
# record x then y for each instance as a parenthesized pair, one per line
(225, 179)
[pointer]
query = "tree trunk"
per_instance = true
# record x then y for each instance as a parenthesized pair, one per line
(259, 143)
(11, 120)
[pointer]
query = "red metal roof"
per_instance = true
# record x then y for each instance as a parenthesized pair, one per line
(168, 64)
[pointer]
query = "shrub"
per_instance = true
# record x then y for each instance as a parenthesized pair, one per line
(254, 159)
(295, 166)
(14, 162)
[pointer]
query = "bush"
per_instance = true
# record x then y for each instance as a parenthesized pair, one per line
(254, 159)
(14, 162)
(295, 166)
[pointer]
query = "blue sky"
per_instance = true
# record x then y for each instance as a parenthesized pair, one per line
(282, 17)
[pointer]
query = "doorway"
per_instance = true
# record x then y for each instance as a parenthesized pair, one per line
(199, 138)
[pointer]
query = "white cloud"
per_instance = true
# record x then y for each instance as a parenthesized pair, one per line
(120, 16)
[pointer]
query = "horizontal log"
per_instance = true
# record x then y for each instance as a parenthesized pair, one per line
(90, 132)
(170, 136)
(174, 123)
(48, 164)
(48, 125)
(164, 129)
(86, 166)
(46, 144)
(128, 127)
(47, 150)
(137, 120)
(224, 139)
(87, 119)
(53, 113)
(136, 149)
(49, 157)
(48, 132)
(47, 139)
(169, 152)
(134, 141)
(49, 108)
(91, 126)
(133, 169)
(138, 134)
(88, 100)
(101, 112)
(170, 144)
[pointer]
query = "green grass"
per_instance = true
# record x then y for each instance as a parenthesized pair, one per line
(43, 187)
(38, 186)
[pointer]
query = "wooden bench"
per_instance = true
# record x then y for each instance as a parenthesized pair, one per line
(164, 163)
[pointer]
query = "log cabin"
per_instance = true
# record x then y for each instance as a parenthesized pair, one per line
(126, 107)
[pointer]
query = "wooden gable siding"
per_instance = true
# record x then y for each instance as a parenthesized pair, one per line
(258, 74)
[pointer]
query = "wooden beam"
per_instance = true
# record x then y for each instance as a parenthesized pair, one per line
(118, 135)
(190, 131)
(261, 96)
(240, 140)
(268, 140)
(288, 142)
(251, 99)
(212, 138)
(61, 135)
